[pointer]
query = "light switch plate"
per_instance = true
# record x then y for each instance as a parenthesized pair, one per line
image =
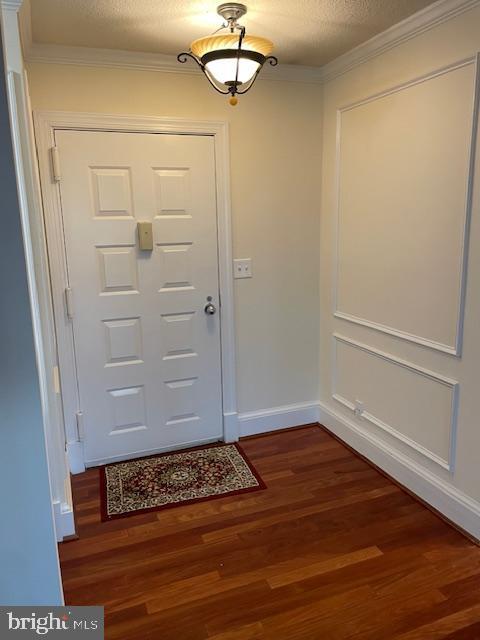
(242, 268)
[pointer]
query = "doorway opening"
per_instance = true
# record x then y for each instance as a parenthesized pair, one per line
(144, 332)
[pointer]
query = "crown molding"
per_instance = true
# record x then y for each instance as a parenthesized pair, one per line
(418, 23)
(25, 25)
(414, 25)
(86, 56)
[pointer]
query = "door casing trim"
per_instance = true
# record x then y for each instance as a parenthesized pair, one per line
(46, 123)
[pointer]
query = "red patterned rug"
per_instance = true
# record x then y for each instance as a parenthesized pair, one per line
(173, 479)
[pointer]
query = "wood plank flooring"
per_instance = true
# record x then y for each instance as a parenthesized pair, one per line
(330, 550)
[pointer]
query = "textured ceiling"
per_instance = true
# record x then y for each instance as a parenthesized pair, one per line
(307, 32)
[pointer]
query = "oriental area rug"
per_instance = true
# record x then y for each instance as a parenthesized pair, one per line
(175, 479)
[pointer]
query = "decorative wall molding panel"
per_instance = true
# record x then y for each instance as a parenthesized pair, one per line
(357, 385)
(440, 494)
(392, 210)
(412, 26)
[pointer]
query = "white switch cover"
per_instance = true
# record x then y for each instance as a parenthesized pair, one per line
(242, 268)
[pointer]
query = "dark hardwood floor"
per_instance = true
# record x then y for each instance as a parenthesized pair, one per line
(331, 550)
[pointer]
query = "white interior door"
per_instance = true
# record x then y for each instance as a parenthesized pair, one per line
(147, 353)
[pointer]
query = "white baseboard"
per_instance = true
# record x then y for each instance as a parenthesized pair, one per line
(64, 520)
(291, 415)
(452, 503)
(230, 426)
(75, 457)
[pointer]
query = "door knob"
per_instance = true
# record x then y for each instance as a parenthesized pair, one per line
(210, 309)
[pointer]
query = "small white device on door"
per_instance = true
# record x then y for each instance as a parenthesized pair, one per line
(145, 236)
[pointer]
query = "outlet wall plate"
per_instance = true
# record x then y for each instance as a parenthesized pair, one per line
(242, 268)
(359, 407)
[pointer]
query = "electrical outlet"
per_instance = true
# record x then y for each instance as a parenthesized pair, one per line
(359, 408)
(242, 268)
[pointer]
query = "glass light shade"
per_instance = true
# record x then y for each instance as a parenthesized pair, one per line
(214, 43)
(224, 70)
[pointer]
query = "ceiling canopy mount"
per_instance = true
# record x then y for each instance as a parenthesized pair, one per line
(231, 11)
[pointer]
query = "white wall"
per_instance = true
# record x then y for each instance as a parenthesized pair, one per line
(29, 571)
(275, 136)
(394, 235)
(393, 285)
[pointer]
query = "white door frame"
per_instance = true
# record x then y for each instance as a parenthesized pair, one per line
(46, 122)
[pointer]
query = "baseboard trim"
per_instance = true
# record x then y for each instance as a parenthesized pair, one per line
(454, 505)
(75, 457)
(291, 415)
(300, 427)
(230, 426)
(64, 520)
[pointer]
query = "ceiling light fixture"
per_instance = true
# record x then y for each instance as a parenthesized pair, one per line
(232, 60)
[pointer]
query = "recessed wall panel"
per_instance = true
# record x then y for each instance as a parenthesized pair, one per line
(403, 173)
(412, 404)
